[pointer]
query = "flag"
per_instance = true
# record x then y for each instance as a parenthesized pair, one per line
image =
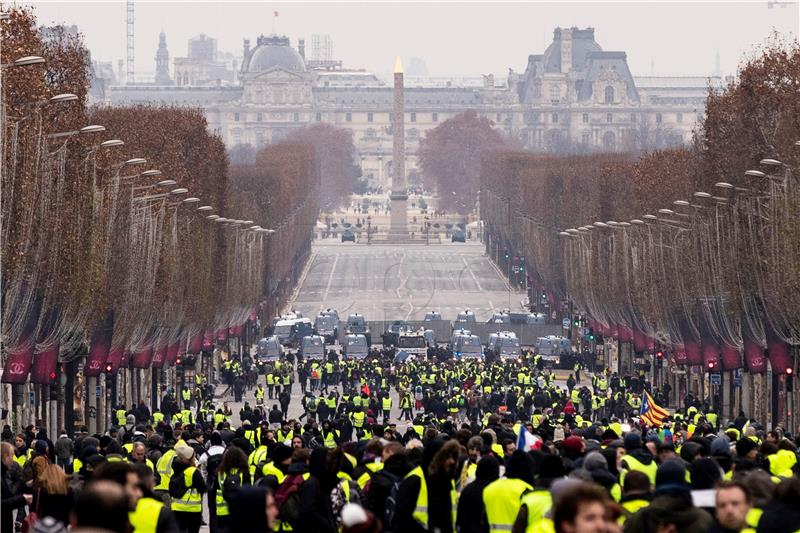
(650, 412)
(527, 441)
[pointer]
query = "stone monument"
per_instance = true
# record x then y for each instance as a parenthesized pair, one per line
(398, 224)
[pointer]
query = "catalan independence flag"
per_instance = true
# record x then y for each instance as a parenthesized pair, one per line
(651, 413)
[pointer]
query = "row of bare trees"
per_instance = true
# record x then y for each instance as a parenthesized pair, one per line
(139, 244)
(682, 244)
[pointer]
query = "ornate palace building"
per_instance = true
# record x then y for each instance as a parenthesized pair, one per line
(574, 97)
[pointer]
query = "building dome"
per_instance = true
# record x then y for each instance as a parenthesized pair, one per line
(272, 52)
(582, 44)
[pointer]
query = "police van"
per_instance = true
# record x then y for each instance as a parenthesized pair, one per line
(312, 348)
(468, 347)
(269, 350)
(552, 347)
(355, 347)
(413, 343)
(357, 325)
(327, 326)
(505, 345)
(466, 316)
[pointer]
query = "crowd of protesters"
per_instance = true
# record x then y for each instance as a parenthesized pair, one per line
(413, 446)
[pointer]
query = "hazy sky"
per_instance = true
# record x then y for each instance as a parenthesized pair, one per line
(453, 38)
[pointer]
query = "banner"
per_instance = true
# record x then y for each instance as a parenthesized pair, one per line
(694, 356)
(754, 356)
(115, 359)
(679, 351)
(710, 353)
(208, 341)
(143, 358)
(172, 352)
(99, 347)
(625, 333)
(778, 353)
(18, 365)
(731, 358)
(196, 343)
(222, 335)
(159, 356)
(45, 365)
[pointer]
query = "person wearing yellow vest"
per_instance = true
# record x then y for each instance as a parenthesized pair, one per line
(151, 514)
(137, 455)
(358, 418)
(274, 471)
(502, 498)
(733, 503)
(638, 458)
(537, 504)
(329, 435)
(186, 396)
(259, 395)
(164, 469)
(187, 487)
(232, 473)
(120, 414)
(636, 494)
(386, 406)
(427, 496)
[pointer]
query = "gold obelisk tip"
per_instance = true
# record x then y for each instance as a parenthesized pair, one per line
(398, 66)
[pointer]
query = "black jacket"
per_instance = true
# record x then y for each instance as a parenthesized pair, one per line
(316, 513)
(470, 508)
(10, 501)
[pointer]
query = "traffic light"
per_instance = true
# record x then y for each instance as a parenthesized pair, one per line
(660, 354)
(109, 368)
(179, 361)
(789, 371)
(712, 365)
(506, 255)
(53, 376)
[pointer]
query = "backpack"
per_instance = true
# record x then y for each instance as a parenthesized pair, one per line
(287, 499)
(311, 404)
(177, 485)
(391, 500)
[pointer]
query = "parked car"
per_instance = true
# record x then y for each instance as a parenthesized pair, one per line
(348, 235)
(458, 236)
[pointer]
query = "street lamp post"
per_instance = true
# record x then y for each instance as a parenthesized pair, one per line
(369, 229)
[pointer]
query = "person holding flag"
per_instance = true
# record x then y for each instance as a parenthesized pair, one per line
(651, 413)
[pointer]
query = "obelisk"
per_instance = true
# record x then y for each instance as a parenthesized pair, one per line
(398, 225)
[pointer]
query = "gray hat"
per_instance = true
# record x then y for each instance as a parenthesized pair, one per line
(595, 461)
(184, 453)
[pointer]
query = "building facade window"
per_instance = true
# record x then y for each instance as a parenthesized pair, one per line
(609, 118)
(609, 95)
(658, 118)
(296, 117)
(498, 117)
(585, 118)
(348, 117)
(369, 117)
(435, 117)
(555, 93)
(236, 117)
(586, 137)
(633, 117)
(319, 117)
(259, 117)
(554, 118)
(413, 116)
(679, 117)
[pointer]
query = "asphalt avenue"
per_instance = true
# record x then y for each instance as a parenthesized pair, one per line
(385, 282)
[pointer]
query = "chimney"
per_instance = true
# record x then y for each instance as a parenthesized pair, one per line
(301, 48)
(566, 50)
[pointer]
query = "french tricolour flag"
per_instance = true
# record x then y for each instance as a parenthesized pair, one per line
(527, 441)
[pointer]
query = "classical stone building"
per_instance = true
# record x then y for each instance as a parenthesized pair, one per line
(575, 97)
